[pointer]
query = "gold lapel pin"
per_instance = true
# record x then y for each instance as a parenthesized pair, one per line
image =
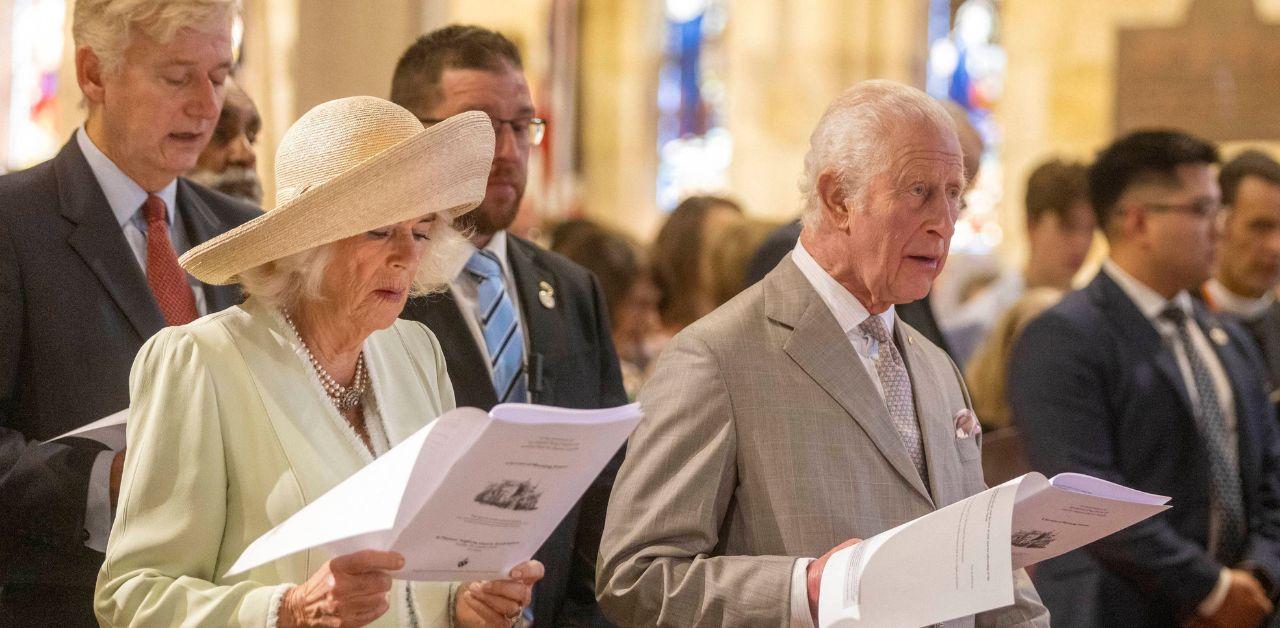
(546, 295)
(1219, 336)
(910, 340)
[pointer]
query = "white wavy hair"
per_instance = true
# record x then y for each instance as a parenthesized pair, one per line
(291, 280)
(107, 26)
(854, 135)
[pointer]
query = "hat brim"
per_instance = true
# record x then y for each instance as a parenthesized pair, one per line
(442, 169)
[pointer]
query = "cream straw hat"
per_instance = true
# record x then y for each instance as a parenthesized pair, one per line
(349, 166)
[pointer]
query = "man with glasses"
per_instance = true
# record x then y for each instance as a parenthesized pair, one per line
(519, 323)
(1248, 271)
(1131, 380)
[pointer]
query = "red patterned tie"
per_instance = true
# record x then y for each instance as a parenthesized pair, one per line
(167, 279)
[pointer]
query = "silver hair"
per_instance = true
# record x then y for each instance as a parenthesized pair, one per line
(289, 281)
(854, 135)
(107, 26)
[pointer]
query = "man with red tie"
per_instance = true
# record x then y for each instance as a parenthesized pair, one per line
(89, 245)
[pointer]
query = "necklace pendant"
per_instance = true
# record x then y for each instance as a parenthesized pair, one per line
(350, 399)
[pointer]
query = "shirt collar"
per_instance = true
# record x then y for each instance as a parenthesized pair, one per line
(123, 194)
(498, 246)
(846, 308)
(1149, 302)
(1225, 300)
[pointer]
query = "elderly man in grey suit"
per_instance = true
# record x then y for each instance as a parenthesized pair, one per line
(803, 415)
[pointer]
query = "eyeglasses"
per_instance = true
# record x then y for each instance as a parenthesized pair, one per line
(1201, 208)
(528, 131)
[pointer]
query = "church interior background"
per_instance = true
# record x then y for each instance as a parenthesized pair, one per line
(651, 100)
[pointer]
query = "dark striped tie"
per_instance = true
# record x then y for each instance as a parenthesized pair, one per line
(501, 328)
(1224, 472)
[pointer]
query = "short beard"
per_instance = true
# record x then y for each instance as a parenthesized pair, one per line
(236, 181)
(486, 220)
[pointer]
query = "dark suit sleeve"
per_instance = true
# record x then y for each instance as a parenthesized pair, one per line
(611, 391)
(12, 442)
(1057, 385)
(42, 487)
(1263, 550)
(580, 606)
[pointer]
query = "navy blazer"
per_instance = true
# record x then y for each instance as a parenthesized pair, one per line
(572, 364)
(1094, 389)
(74, 310)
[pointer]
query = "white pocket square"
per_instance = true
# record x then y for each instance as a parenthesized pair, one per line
(967, 425)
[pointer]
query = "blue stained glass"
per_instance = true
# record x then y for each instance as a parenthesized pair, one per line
(694, 149)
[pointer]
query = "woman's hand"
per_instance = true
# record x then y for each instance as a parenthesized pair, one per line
(497, 603)
(350, 590)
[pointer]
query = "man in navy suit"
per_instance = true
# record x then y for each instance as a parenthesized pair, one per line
(88, 272)
(519, 323)
(1131, 380)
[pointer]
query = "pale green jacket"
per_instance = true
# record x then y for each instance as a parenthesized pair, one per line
(229, 434)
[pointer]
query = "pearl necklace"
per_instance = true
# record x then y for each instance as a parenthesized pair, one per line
(344, 398)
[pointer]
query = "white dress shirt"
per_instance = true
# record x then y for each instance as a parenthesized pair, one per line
(1151, 304)
(1246, 308)
(125, 198)
(849, 313)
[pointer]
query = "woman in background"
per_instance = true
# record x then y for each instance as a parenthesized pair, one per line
(681, 268)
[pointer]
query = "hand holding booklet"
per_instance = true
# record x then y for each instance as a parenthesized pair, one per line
(467, 497)
(960, 559)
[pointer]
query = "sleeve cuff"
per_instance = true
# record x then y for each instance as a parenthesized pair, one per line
(453, 603)
(800, 617)
(97, 511)
(273, 605)
(1212, 602)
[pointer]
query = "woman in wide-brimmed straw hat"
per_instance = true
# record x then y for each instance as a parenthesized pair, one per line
(241, 418)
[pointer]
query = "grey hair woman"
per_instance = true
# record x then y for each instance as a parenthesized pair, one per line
(241, 418)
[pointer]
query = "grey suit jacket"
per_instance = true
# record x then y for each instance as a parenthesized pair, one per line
(765, 440)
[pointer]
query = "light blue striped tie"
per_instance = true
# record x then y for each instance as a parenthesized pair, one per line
(501, 327)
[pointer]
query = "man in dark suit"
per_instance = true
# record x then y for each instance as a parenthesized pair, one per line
(1130, 380)
(88, 272)
(519, 323)
(1248, 271)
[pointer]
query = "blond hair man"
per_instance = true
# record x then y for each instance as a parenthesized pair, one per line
(88, 271)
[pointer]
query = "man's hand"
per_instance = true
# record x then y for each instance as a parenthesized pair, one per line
(497, 603)
(113, 484)
(814, 576)
(1245, 606)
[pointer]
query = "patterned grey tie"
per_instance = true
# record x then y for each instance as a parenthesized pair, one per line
(897, 392)
(1224, 473)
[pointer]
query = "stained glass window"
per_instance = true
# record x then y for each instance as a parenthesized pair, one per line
(694, 147)
(36, 38)
(967, 65)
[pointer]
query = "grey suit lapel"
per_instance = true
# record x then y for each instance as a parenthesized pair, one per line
(820, 348)
(926, 387)
(97, 238)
